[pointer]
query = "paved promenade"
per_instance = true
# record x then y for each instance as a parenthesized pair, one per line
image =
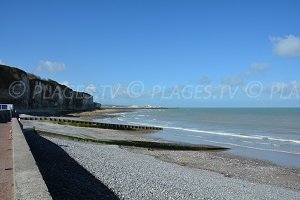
(6, 162)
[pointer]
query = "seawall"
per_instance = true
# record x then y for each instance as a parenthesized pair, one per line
(28, 181)
(5, 116)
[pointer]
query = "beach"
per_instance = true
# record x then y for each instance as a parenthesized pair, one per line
(144, 173)
(100, 113)
(270, 134)
(149, 100)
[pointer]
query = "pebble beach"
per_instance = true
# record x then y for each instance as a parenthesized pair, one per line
(141, 173)
(136, 176)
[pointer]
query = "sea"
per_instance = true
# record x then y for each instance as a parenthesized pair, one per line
(269, 134)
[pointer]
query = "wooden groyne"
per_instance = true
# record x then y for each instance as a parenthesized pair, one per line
(93, 124)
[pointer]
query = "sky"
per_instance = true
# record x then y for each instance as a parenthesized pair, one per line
(182, 53)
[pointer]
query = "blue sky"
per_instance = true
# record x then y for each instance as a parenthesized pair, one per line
(160, 52)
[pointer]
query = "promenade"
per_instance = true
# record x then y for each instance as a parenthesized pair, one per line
(6, 162)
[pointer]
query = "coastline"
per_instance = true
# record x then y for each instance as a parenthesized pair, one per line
(226, 165)
(248, 132)
(118, 111)
(108, 112)
(100, 113)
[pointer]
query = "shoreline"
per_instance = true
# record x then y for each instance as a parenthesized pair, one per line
(100, 113)
(107, 112)
(252, 155)
(223, 163)
(115, 112)
(130, 173)
(280, 156)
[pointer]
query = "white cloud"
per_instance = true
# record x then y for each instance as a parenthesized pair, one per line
(53, 67)
(255, 70)
(204, 80)
(288, 89)
(91, 88)
(1, 62)
(287, 47)
(260, 66)
(233, 80)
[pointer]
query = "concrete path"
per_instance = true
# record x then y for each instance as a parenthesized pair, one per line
(6, 162)
(29, 183)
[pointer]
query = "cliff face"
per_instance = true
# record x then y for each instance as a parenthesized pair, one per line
(28, 92)
(14, 87)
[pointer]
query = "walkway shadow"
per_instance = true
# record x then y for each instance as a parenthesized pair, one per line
(64, 177)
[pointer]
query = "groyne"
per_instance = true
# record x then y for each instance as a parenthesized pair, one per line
(93, 124)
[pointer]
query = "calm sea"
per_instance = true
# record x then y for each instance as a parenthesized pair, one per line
(271, 134)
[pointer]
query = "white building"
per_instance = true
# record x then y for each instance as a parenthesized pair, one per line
(6, 112)
(6, 106)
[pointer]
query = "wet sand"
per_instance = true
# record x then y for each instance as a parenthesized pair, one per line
(101, 113)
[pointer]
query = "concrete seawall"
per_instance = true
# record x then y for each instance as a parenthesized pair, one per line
(5, 116)
(28, 181)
